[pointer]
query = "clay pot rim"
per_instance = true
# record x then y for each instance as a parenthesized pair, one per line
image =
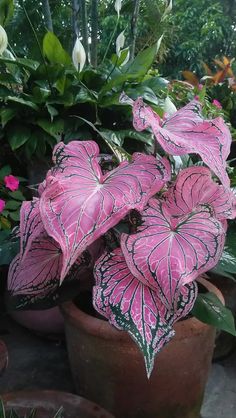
(103, 329)
(29, 399)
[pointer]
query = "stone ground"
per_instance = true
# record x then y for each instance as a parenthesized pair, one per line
(37, 363)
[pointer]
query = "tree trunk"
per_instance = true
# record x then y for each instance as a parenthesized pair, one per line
(47, 15)
(134, 27)
(94, 32)
(75, 19)
(84, 26)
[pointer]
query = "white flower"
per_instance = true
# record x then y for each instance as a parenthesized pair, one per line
(169, 107)
(118, 7)
(3, 40)
(120, 41)
(127, 56)
(78, 55)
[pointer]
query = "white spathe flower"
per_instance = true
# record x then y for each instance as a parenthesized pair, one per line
(169, 107)
(127, 51)
(120, 41)
(3, 40)
(118, 4)
(78, 55)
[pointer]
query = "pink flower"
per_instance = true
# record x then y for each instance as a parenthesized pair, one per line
(196, 97)
(11, 182)
(2, 205)
(217, 104)
(200, 87)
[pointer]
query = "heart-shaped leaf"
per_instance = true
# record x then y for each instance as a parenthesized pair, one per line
(186, 132)
(80, 204)
(168, 252)
(133, 307)
(194, 187)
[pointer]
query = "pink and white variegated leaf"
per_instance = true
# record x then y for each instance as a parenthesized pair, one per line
(31, 225)
(186, 132)
(36, 277)
(168, 252)
(131, 306)
(80, 204)
(194, 187)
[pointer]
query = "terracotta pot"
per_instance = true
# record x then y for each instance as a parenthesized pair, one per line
(3, 357)
(44, 322)
(108, 367)
(47, 404)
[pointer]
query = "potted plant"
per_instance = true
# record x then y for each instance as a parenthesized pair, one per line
(161, 234)
(45, 404)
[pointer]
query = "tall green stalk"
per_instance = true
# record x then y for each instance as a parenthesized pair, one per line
(84, 25)
(47, 15)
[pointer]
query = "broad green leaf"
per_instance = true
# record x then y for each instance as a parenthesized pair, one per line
(210, 310)
(4, 223)
(12, 204)
(8, 250)
(6, 115)
(52, 111)
(17, 136)
(6, 11)
(86, 96)
(143, 61)
(22, 101)
(40, 94)
(21, 62)
(54, 51)
(5, 171)
(54, 129)
(18, 195)
(15, 216)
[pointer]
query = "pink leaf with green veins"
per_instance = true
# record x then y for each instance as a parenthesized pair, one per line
(133, 307)
(194, 187)
(186, 132)
(31, 225)
(168, 252)
(80, 204)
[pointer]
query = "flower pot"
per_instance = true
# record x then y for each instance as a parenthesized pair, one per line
(108, 367)
(46, 322)
(3, 357)
(47, 404)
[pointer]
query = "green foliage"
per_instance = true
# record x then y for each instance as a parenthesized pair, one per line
(210, 310)
(202, 31)
(6, 11)
(49, 100)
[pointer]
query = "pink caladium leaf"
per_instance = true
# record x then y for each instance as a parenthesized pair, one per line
(131, 306)
(186, 132)
(194, 187)
(31, 225)
(80, 204)
(168, 252)
(36, 277)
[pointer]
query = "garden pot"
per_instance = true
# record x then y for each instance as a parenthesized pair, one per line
(48, 322)
(108, 367)
(47, 404)
(3, 357)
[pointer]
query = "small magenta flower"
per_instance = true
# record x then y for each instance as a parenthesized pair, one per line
(196, 98)
(2, 205)
(11, 182)
(217, 104)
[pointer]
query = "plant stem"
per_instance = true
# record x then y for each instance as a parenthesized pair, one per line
(110, 40)
(38, 43)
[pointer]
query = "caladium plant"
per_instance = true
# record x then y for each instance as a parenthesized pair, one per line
(147, 281)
